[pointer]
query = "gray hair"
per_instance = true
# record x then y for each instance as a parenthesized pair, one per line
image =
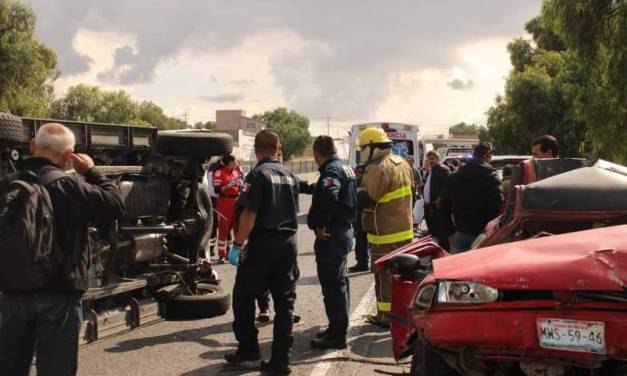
(55, 137)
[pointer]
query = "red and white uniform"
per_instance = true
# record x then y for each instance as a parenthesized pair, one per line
(227, 184)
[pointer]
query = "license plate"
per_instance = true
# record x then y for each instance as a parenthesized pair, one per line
(572, 335)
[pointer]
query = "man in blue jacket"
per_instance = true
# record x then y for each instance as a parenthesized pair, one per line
(332, 214)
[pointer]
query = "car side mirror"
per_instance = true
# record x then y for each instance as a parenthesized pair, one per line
(406, 265)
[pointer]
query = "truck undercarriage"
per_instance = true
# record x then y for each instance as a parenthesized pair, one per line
(149, 265)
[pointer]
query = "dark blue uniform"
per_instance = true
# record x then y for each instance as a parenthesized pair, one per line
(334, 208)
(270, 191)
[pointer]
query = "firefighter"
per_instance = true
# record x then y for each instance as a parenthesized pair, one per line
(226, 182)
(385, 196)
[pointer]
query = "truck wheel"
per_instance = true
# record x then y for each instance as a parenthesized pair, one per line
(205, 201)
(426, 362)
(11, 130)
(210, 301)
(194, 143)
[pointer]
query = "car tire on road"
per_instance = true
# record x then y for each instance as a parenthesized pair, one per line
(204, 200)
(194, 143)
(426, 362)
(210, 301)
(11, 130)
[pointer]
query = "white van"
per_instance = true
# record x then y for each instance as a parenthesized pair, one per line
(404, 138)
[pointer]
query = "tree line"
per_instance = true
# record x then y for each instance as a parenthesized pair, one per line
(569, 80)
(28, 70)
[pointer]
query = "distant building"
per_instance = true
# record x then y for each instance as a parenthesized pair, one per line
(243, 130)
(236, 119)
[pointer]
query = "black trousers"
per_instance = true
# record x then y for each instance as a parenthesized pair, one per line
(269, 265)
(435, 225)
(361, 242)
(331, 265)
(45, 324)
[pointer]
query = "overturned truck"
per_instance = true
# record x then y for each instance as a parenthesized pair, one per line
(150, 265)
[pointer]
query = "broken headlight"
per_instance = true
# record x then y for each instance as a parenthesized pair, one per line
(465, 293)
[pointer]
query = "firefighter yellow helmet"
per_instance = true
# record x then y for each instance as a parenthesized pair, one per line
(373, 136)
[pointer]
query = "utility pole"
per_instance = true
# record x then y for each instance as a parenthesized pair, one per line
(185, 116)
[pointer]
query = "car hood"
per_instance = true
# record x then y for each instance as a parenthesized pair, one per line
(593, 260)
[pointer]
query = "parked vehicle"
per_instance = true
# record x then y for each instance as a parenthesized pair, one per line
(148, 265)
(404, 138)
(544, 294)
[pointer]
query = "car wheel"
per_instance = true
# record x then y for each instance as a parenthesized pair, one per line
(194, 143)
(11, 130)
(205, 201)
(426, 362)
(209, 301)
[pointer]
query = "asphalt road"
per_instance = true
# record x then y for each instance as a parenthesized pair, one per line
(190, 348)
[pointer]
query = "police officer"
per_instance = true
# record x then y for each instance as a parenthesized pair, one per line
(332, 213)
(269, 221)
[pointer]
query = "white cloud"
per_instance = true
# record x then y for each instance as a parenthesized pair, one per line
(353, 60)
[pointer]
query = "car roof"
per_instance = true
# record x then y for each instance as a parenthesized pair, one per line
(583, 189)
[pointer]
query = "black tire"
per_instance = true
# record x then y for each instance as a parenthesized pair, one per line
(194, 143)
(11, 130)
(205, 201)
(211, 301)
(426, 362)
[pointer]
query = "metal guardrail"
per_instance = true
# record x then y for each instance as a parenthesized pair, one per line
(296, 167)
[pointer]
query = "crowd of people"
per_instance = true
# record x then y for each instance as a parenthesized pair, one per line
(255, 216)
(372, 207)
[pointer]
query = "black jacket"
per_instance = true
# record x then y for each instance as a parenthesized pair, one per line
(439, 180)
(473, 197)
(77, 202)
(334, 201)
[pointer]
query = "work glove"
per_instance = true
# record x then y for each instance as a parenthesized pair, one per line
(233, 255)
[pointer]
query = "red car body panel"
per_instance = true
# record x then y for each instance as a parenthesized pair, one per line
(559, 266)
(582, 262)
(513, 334)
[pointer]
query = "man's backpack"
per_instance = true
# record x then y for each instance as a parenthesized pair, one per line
(28, 254)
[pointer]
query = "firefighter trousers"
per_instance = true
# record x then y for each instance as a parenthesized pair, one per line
(383, 279)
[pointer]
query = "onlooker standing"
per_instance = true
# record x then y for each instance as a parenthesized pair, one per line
(436, 181)
(417, 177)
(46, 322)
(473, 197)
(361, 237)
(545, 147)
(332, 213)
(269, 221)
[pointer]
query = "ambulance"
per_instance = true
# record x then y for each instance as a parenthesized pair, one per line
(405, 140)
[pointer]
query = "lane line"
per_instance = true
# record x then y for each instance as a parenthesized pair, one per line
(355, 327)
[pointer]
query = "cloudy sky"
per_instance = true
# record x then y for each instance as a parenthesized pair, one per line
(431, 63)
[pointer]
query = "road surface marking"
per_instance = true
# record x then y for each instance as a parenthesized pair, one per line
(357, 318)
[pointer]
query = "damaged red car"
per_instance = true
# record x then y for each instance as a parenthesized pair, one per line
(547, 297)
